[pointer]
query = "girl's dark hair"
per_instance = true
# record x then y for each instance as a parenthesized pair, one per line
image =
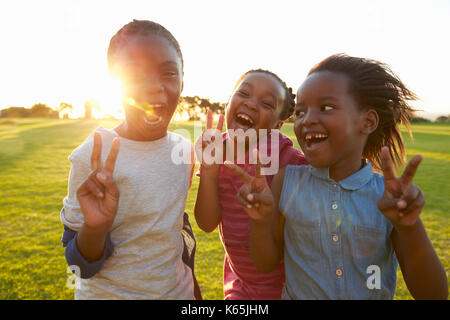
(375, 86)
(289, 101)
(142, 28)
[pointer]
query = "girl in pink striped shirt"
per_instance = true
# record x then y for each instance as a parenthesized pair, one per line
(260, 100)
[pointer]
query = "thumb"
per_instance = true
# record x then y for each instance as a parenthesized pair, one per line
(264, 198)
(386, 204)
(109, 183)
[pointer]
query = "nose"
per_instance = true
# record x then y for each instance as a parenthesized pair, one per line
(152, 86)
(251, 104)
(310, 117)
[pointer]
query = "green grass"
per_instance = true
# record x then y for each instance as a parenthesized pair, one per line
(33, 181)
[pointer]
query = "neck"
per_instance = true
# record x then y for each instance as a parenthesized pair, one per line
(129, 132)
(344, 169)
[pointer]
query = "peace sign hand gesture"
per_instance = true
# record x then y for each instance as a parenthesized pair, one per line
(255, 195)
(402, 201)
(98, 195)
(207, 138)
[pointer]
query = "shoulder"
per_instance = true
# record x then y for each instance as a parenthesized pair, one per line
(83, 151)
(376, 184)
(175, 138)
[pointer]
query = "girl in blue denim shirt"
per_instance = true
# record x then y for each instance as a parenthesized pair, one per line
(342, 228)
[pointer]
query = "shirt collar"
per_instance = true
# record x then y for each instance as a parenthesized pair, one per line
(353, 182)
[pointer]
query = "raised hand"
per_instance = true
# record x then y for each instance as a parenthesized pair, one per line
(98, 195)
(255, 195)
(207, 138)
(402, 202)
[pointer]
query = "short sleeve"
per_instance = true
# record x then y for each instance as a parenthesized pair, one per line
(71, 215)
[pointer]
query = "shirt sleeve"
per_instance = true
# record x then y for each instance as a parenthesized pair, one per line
(74, 257)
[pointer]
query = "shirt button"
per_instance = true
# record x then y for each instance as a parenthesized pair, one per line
(339, 272)
(334, 206)
(334, 185)
(335, 238)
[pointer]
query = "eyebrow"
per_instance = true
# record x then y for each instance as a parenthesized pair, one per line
(328, 98)
(170, 62)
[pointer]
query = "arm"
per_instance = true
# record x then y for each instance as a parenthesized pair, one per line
(267, 238)
(266, 222)
(423, 272)
(402, 202)
(98, 197)
(207, 208)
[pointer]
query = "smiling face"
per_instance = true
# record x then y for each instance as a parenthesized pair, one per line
(329, 123)
(150, 71)
(256, 103)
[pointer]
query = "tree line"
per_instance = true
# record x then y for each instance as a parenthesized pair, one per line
(189, 108)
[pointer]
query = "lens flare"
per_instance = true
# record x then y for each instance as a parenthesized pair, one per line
(149, 109)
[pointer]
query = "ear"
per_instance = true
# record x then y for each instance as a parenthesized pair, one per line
(279, 125)
(369, 122)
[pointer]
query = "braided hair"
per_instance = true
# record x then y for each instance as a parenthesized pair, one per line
(289, 101)
(142, 28)
(375, 86)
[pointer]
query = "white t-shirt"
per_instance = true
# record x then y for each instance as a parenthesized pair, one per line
(153, 182)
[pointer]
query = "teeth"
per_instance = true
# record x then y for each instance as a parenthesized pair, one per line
(243, 116)
(310, 136)
(158, 120)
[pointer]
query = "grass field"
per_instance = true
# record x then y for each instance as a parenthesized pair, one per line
(33, 181)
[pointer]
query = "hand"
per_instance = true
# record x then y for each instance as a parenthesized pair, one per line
(402, 202)
(207, 138)
(255, 195)
(98, 195)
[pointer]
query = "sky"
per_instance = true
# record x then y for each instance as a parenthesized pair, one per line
(55, 51)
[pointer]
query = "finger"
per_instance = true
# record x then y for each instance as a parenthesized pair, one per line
(263, 198)
(410, 194)
(411, 197)
(416, 206)
(209, 119)
(386, 204)
(93, 188)
(106, 179)
(93, 177)
(220, 123)
(258, 163)
(242, 200)
(112, 156)
(386, 165)
(96, 156)
(246, 178)
(410, 170)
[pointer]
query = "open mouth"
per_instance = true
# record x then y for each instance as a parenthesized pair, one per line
(244, 120)
(313, 139)
(152, 111)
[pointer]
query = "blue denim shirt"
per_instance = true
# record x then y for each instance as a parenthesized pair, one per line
(333, 233)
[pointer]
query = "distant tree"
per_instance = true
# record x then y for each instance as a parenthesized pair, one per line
(41, 110)
(416, 119)
(442, 119)
(90, 105)
(64, 109)
(16, 112)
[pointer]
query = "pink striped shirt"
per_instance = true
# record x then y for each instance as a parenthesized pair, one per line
(241, 279)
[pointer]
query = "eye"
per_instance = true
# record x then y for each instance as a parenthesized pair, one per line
(243, 93)
(299, 113)
(268, 105)
(170, 74)
(326, 108)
